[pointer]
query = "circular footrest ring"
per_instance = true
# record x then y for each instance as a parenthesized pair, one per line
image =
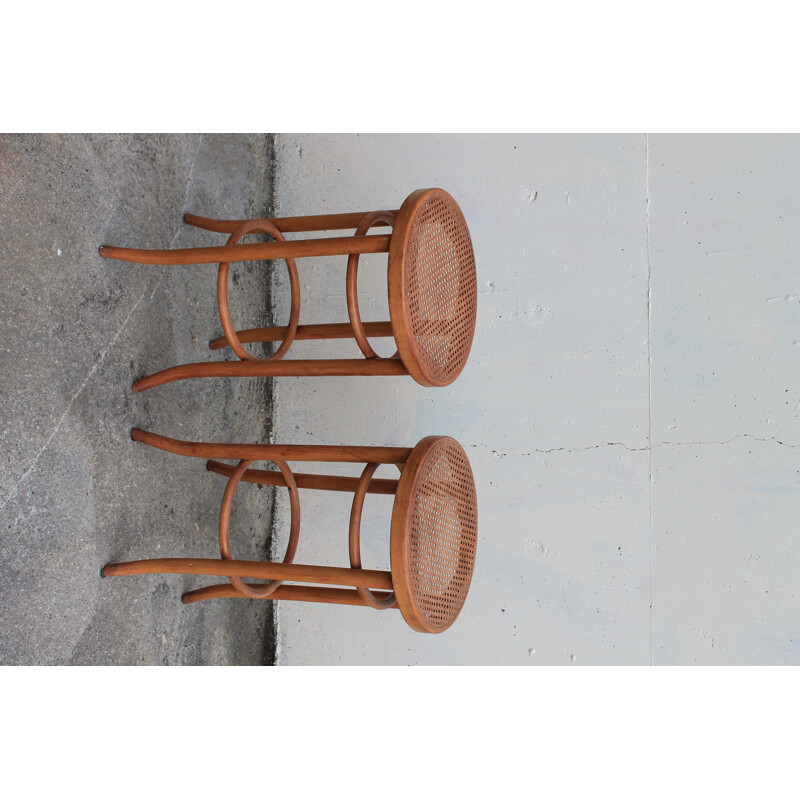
(355, 544)
(224, 527)
(257, 226)
(377, 217)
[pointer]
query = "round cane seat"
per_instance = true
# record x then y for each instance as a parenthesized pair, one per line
(434, 534)
(432, 287)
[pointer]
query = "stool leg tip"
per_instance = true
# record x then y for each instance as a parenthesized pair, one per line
(102, 572)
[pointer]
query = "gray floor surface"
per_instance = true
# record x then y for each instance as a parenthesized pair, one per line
(77, 329)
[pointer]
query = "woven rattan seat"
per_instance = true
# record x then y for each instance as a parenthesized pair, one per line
(433, 536)
(432, 287)
(432, 291)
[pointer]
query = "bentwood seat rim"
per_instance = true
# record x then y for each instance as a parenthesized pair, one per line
(399, 308)
(402, 579)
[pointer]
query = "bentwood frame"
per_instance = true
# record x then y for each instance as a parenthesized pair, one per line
(433, 529)
(432, 291)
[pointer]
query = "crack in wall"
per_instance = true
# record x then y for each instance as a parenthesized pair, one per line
(649, 371)
(645, 449)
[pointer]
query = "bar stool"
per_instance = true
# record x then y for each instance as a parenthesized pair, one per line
(433, 538)
(432, 291)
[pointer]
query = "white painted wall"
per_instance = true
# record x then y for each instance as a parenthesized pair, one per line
(630, 406)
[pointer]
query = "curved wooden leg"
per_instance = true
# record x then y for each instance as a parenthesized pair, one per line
(268, 452)
(260, 251)
(260, 369)
(336, 330)
(330, 483)
(253, 569)
(312, 594)
(319, 222)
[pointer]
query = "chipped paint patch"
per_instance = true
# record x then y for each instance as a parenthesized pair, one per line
(535, 549)
(532, 312)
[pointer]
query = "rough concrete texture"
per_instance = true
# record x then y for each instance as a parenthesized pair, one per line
(77, 329)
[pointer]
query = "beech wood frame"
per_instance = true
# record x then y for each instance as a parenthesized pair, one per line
(248, 365)
(365, 587)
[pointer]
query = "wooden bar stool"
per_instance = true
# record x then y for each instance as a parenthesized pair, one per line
(434, 529)
(431, 283)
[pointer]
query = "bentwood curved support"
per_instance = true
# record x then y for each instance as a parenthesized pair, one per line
(257, 226)
(260, 369)
(252, 569)
(331, 483)
(267, 590)
(431, 284)
(355, 538)
(261, 251)
(337, 330)
(433, 533)
(273, 452)
(378, 218)
(311, 594)
(320, 222)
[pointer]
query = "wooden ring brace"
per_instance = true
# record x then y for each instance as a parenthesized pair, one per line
(250, 590)
(256, 591)
(380, 218)
(376, 218)
(257, 226)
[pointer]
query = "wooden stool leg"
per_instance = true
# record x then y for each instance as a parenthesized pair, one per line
(252, 569)
(337, 330)
(311, 594)
(320, 222)
(330, 483)
(271, 452)
(260, 369)
(258, 251)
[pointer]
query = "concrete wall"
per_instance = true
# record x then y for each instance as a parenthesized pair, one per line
(630, 406)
